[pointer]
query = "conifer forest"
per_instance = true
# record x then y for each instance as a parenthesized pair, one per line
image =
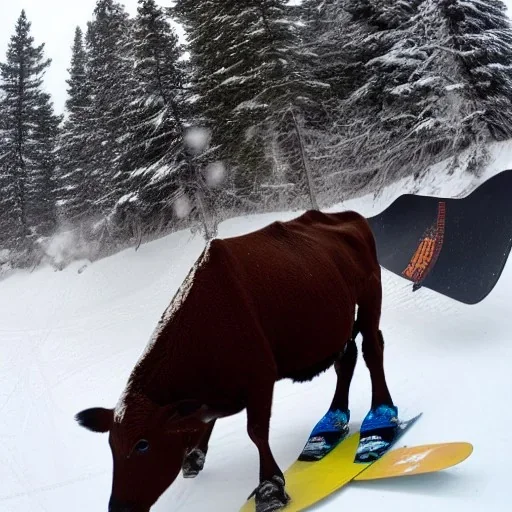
(263, 106)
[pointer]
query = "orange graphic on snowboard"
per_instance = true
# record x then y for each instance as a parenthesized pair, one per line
(428, 249)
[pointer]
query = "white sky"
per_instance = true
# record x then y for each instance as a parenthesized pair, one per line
(54, 22)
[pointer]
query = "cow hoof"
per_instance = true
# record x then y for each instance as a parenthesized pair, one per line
(270, 495)
(193, 463)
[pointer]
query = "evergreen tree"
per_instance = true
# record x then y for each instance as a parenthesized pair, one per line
(396, 107)
(78, 95)
(12, 235)
(41, 184)
(74, 188)
(347, 38)
(326, 33)
(420, 80)
(109, 76)
(155, 134)
(159, 83)
(28, 139)
(443, 84)
(250, 77)
(480, 34)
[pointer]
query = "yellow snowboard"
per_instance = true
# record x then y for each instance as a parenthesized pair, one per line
(417, 460)
(307, 483)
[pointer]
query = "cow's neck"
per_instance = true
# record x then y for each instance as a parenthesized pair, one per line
(153, 374)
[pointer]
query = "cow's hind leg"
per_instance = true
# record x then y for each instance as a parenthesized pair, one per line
(270, 495)
(195, 458)
(368, 320)
(345, 366)
(381, 422)
(333, 427)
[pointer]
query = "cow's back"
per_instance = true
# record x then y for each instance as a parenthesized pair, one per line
(315, 241)
(301, 279)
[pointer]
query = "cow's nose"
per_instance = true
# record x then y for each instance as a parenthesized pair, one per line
(114, 505)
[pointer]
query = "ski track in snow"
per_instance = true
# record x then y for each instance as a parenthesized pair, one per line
(70, 340)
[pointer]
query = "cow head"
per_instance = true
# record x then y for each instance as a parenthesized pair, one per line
(148, 444)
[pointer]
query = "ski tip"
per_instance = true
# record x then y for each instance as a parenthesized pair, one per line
(412, 420)
(404, 425)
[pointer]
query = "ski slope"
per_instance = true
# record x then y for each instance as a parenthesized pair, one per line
(69, 340)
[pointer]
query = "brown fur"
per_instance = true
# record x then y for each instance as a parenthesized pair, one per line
(276, 303)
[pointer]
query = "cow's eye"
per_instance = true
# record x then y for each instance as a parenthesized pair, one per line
(142, 446)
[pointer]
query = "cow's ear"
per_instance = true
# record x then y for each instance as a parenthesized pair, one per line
(96, 419)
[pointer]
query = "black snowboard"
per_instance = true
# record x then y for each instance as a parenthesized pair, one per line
(457, 247)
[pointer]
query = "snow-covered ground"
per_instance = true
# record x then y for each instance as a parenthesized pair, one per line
(69, 339)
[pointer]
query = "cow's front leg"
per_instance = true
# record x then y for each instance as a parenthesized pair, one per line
(270, 495)
(195, 458)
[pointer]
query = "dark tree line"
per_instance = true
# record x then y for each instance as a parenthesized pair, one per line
(28, 137)
(265, 106)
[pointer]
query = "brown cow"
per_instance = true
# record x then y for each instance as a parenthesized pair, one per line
(276, 303)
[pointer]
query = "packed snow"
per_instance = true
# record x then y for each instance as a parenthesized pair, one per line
(69, 340)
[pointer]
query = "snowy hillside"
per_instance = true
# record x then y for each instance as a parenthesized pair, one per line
(69, 339)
